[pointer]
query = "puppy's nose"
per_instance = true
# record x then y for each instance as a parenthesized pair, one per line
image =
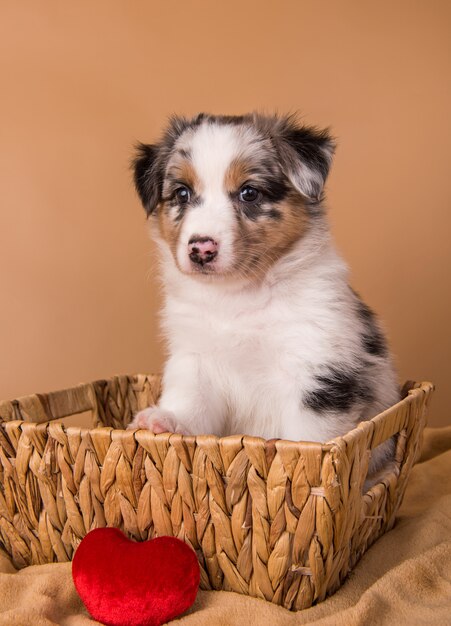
(202, 250)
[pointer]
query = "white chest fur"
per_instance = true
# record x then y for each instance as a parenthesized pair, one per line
(252, 350)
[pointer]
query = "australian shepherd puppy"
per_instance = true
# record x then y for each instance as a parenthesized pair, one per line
(266, 337)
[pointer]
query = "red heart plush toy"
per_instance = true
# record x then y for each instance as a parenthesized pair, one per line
(124, 583)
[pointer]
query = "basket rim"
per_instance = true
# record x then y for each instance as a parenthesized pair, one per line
(364, 428)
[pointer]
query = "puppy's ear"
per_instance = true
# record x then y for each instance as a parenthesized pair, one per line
(147, 175)
(306, 155)
(150, 161)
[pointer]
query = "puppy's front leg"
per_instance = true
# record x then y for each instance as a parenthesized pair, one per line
(188, 404)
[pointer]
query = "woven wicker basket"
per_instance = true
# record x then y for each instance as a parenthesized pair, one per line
(275, 519)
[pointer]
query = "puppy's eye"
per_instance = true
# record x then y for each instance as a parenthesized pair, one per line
(183, 195)
(249, 194)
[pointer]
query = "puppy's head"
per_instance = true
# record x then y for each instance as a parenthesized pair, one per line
(231, 195)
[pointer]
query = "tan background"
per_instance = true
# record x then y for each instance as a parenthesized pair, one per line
(82, 81)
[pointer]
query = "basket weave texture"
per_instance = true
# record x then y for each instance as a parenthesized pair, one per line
(280, 520)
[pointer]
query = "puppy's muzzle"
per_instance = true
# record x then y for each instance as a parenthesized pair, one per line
(202, 250)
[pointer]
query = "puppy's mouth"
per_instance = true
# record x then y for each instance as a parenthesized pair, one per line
(215, 269)
(207, 269)
(244, 270)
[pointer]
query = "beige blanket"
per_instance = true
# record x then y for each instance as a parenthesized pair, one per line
(405, 578)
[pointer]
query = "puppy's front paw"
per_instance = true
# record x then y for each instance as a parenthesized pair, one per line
(157, 420)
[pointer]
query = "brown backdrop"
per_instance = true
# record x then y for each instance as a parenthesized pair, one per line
(82, 81)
